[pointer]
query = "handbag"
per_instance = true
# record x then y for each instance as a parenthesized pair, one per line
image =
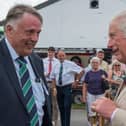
(105, 85)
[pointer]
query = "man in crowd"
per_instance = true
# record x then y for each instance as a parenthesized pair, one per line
(49, 63)
(115, 111)
(103, 64)
(23, 92)
(64, 78)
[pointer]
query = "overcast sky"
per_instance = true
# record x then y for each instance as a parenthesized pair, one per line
(6, 4)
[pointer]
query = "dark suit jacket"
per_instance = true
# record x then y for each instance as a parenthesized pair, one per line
(12, 107)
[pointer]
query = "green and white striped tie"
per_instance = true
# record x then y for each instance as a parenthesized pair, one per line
(27, 91)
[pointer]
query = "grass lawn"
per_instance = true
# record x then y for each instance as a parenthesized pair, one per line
(78, 106)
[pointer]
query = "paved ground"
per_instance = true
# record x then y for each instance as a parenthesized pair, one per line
(78, 118)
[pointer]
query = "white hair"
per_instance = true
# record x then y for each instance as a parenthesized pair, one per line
(120, 19)
(95, 59)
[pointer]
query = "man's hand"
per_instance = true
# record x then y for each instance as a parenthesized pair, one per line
(74, 85)
(104, 106)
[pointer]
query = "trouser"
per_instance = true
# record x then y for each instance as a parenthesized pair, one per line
(64, 98)
(54, 105)
(90, 99)
(93, 118)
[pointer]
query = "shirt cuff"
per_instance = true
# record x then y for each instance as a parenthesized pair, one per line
(113, 114)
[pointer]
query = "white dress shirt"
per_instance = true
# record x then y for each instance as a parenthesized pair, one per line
(68, 74)
(46, 62)
(36, 86)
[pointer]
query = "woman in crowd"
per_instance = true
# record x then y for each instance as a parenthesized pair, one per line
(115, 77)
(93, 86)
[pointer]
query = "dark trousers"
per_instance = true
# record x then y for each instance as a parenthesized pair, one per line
(64, 98)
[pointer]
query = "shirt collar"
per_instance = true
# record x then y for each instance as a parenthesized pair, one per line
(13, 53)
(52, 59)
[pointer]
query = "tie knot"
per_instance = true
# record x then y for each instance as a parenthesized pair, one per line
(61, 63)
(21, 60)
(50, 59)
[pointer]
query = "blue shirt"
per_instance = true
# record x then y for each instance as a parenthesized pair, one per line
(93, 79)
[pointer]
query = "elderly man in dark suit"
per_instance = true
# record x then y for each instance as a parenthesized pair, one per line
(23, 92)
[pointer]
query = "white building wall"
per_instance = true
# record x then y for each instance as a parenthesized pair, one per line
(72, 24)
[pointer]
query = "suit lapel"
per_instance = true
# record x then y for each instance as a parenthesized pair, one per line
(38, 70)
(10, 70)
(121, 99)
(37, 66)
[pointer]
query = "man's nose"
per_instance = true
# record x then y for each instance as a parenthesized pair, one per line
(110, 44)
(35, 37)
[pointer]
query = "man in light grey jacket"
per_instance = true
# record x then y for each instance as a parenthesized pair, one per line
(115, 111)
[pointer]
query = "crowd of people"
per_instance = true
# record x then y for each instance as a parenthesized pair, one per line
(94, 78)
(34, 90)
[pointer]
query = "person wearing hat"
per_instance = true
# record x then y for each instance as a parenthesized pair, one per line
(103, 64)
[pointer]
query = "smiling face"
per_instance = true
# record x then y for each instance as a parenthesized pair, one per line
(95, 64)
(51, 54)
(116, 67)
(24, 34)
(117, 41)
(61, 56)
(100, 55)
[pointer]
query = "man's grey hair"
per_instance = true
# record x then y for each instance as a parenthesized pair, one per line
(18, 11)
(121, 20)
